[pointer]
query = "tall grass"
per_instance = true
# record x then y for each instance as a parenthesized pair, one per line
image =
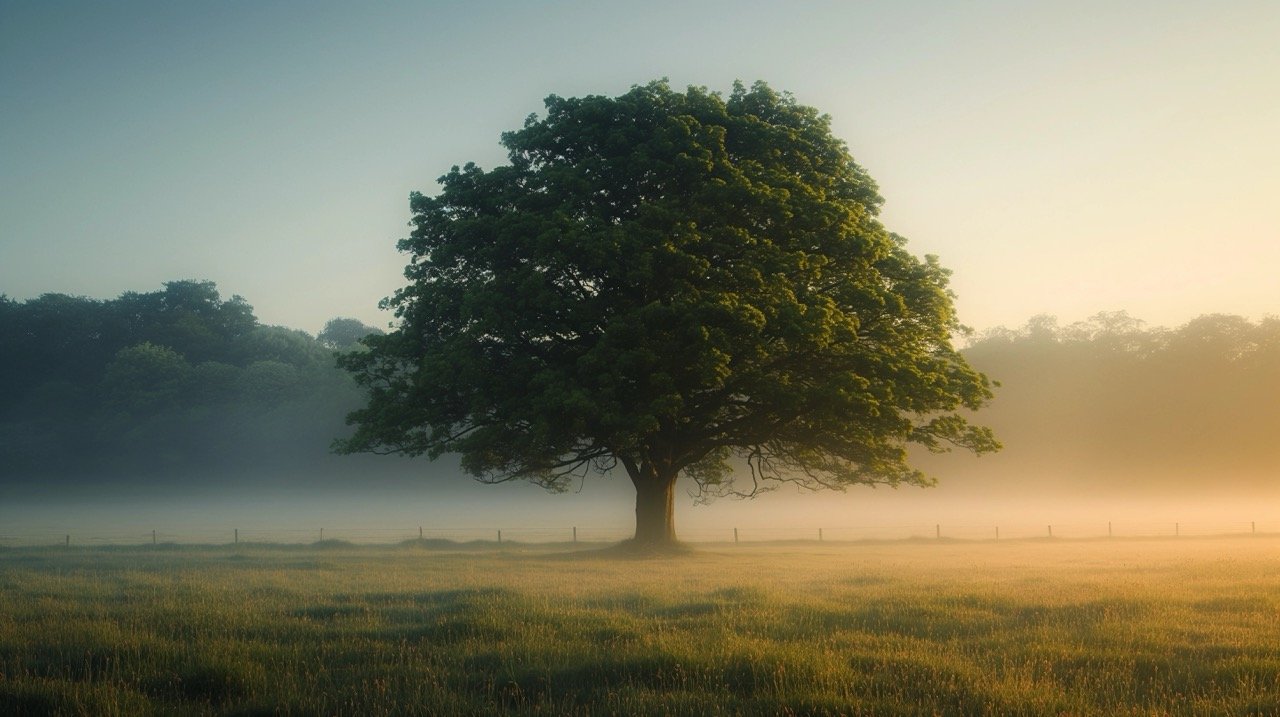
(1156, 627)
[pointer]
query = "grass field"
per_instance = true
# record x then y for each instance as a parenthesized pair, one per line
(1123, 627)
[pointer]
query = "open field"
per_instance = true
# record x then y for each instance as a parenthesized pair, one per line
(1102, 627)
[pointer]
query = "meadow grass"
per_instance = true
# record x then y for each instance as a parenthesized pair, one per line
(1106, 627)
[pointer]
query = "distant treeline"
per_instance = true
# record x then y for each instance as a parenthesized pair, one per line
(179, 383)
(1111, 404)
(166, 383)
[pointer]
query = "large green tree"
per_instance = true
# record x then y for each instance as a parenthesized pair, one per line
(670, 283)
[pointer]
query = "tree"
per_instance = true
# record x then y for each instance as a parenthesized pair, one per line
(344, 334)
(674, 284)
(279, 344)
(188, 316)
(144, 379)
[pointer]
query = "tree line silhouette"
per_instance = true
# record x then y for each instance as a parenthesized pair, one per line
(170, 382)
(180, 382)
(1111, 403)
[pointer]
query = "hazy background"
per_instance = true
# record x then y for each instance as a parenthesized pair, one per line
(1062, 158)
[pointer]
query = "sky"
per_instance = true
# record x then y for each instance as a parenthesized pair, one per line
(1059, 157)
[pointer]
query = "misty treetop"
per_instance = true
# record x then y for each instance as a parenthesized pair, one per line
(664, 281)
(344, 334)
(177, 380)
(1111, 404)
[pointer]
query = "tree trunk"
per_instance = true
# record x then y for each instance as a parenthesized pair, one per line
(655, 509)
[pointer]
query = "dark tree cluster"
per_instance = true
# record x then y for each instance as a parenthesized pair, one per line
(176, 381)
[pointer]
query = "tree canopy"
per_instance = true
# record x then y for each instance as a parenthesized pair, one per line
(169, 384)
(344, 334)
(1110, 406)
(673, 283)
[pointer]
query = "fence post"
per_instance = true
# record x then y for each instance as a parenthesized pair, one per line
(1177, 531)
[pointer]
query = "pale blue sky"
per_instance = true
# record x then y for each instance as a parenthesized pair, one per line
(1061, 157)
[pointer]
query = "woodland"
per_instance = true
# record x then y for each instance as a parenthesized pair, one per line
(179, 385)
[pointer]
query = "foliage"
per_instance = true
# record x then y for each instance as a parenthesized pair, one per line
(176, 381)
(277, 343)
(667, 281)
(1110, 403)
(1030, 628)
(144, 379)
(344, 334)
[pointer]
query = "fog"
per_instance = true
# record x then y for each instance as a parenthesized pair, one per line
(457, 508)
(108, 437)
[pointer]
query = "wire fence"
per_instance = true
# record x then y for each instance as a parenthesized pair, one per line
(481, 537)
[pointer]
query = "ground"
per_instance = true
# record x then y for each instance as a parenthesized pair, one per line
(1098, 627)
